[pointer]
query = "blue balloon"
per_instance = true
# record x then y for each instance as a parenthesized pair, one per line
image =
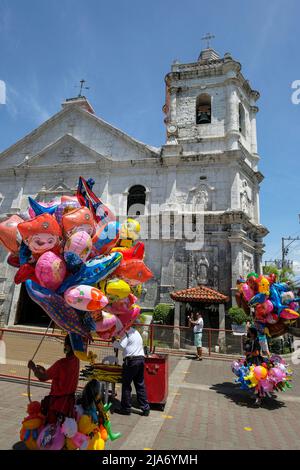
(58, 310)
(93, 271)
(275, 298)
(257, 299)
(39, 209)
(110, 232)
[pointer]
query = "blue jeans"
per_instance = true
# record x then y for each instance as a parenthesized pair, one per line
(133, 371)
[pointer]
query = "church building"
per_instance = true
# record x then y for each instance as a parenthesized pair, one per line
(209, 160)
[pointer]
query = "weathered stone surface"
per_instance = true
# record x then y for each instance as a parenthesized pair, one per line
(214, 165)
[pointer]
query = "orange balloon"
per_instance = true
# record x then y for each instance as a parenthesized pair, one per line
(8, 233)
(133, 271)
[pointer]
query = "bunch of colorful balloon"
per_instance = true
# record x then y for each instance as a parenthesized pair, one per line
(272, 375)
(81, 265)
(80, 433)
(275, 305)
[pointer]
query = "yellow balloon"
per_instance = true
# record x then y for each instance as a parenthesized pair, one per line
(115, 288)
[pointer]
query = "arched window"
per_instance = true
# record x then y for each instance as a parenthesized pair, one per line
(136, 200)
(203, 109)
(242, 125)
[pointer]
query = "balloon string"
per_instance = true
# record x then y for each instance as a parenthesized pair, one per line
(36, 351)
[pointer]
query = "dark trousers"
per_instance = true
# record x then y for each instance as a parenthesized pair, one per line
(133, 371)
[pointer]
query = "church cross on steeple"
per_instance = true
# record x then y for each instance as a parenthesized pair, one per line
(207, 38)
(82, 87)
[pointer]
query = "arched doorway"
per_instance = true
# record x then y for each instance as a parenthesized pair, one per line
(136, 200)
(29, 312)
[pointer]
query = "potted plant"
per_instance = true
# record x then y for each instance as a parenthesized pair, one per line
(239, 319)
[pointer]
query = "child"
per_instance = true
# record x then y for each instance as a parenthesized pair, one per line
(92, 417)
(89, 417)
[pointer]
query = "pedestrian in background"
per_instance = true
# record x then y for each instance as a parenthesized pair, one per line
(197, 324)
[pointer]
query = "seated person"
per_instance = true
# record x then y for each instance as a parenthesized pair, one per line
(91, 416)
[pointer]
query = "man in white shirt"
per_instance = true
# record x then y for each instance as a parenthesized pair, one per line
(198, 327)
(133, 371)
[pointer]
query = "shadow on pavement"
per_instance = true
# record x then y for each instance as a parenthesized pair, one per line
(117, 404)
(243, 398)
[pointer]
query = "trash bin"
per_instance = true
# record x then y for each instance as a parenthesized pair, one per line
(156, 373)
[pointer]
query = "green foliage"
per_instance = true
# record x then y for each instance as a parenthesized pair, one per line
(238, 315)
(283, 275)
(164, 313)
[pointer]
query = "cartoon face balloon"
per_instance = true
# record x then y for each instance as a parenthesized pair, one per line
(40, 234)
(79, 243)
(78, 220)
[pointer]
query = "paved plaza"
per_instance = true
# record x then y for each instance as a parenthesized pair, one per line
(205, 410)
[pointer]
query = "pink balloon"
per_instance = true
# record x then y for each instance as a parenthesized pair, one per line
(51, 438)
(108, 321)
(80, 243)
(247, 291)
(277, 375)
(289, 314)
(85, 298)
(50, 270)
(123, 306)
(267, 385)
(128, 319)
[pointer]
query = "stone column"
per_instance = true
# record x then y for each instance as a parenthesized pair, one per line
(232, 110)
(222, 334)
(236, 243)
(253, 111)
(172, 91)
(176, 331)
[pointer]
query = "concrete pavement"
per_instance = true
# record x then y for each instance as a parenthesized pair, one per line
(205, 410)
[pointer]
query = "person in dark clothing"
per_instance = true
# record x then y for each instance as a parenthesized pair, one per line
(252, 348)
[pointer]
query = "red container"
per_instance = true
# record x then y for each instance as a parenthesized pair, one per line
(156, 375)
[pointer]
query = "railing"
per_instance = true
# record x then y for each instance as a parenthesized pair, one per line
(180, 338)
(18, 346)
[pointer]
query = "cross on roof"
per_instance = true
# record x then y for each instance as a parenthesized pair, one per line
(82, 87)
(207, 38)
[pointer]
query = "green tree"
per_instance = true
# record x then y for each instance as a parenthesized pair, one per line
(283, 275)
(164, 313)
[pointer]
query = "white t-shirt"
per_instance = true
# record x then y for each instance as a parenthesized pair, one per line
(131, 344)
(199, 326)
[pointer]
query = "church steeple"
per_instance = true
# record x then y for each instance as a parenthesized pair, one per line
(209, 106)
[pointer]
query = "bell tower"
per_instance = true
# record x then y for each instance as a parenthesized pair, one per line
(210, 107)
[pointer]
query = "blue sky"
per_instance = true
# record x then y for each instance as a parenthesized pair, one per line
(124, 48)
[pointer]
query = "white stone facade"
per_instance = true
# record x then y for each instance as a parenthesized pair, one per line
(213, 164)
